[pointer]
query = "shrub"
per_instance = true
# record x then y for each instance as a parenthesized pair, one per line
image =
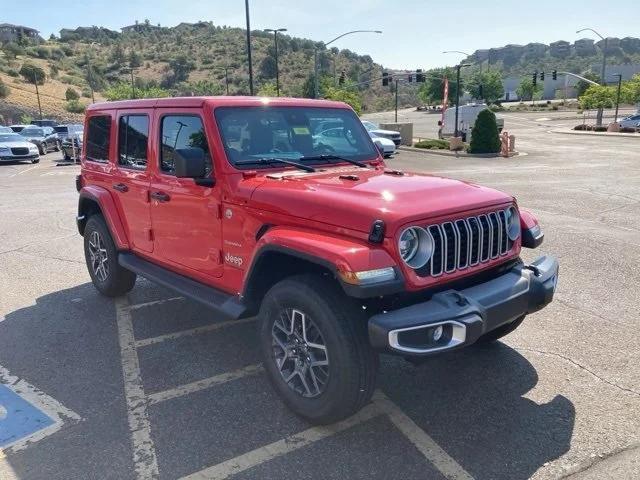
(582, 127)
(484, 136)
(432, 144)
(71, 94)
(600, 128)
(86, 92)
(13, 73)
(4, 90)
(74, 106)
(496, 108)
(32, 73)
(43, 52)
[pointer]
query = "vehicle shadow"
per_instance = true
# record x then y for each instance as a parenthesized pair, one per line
(472, 403)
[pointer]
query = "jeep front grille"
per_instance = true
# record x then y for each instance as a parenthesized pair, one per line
(467, 242)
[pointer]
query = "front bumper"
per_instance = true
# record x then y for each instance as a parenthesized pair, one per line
(17, 158)
(465, 314)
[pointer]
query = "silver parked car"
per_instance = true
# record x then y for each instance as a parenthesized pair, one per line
(14, 148)
(387, 146)
(390, 134)
(632, 121)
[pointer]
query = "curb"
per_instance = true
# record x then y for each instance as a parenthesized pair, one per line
(449, 153)
(597, 134)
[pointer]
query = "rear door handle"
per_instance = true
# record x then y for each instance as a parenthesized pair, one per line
(160, 197)
(121, 187)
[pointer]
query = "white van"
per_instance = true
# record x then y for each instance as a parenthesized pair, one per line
(467, 115)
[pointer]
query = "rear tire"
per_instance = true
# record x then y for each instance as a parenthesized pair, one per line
(101, 256)
(499, 332)
(322, 367)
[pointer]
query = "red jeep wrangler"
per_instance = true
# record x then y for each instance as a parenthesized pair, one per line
(285, 209)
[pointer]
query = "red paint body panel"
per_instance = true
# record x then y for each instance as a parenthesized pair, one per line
(209, 233)
(527, 219)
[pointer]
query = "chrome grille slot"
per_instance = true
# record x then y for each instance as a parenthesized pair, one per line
(466, 243)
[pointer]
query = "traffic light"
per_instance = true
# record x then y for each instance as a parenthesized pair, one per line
(554, 74)
(535, 78)
(410, 78)
(341, 79)
(420, 76)
(385, 79)
(542, 76)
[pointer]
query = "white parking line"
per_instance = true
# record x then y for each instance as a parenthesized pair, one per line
(144, 452)
(192, 331)
(204, 384)
(282, 447)
(137, 306)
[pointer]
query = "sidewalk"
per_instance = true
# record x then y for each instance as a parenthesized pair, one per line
(598, 134)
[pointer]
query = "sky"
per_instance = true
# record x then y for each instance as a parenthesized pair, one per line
(415, 33)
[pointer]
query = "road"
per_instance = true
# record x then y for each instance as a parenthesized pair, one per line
(155, 385)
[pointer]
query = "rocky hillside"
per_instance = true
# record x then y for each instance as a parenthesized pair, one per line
(182, 60)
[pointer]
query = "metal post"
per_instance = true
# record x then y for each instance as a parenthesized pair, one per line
(275, 41)
(133, 85)
(602, 79)
(315, 72)
(618, 97)
(93, 99)
(246, 5)
(396, 100)
(455, 134)
(226, 78)
(35, 82)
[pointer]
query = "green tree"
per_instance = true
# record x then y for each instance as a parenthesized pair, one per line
(349, 97)
(71, 94)
(484, 136)
(432, 90)
(199, 88)
(123, 91)
(74, 106)
(598, 96)
(32, 73)
(268, 90)
(181, 66)
(4, 90)
(528, 91)
(491, 83)
(134, 59)
(117, 55)
(630, 92)
(582, 86)
(12, 50)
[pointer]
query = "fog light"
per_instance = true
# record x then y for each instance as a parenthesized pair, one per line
(437, 333)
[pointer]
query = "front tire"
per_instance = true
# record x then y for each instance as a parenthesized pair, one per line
(35, 160)
(315, 349)
(101, 256)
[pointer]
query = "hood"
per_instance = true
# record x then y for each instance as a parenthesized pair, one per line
(16, 144)
(385, 132)
(324, 196)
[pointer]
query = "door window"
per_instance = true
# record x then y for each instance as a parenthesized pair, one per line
(98, 138)
(180, 132)
(133, 133)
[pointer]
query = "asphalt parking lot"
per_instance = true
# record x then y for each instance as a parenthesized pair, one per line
(153, 385)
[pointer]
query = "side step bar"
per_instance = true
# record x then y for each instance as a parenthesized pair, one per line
(228, 305)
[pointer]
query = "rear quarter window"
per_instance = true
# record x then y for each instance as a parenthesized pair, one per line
(98, 138)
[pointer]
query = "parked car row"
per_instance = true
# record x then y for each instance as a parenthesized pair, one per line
(14, 148)
(44, 136)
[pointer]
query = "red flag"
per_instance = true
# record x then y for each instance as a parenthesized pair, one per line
(445, 97)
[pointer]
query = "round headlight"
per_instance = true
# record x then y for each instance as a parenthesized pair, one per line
(513, 223)
(415, 246)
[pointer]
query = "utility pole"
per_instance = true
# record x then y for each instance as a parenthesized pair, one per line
(619, 75)
(604, 68)
(396, 100)
(275, 41)
(458, 67)
(246, 6)
(226, 79)
(35, 82)
(133, 84)
(93, 98)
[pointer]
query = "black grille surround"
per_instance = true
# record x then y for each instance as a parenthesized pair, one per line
(20, 151)
(466, 243)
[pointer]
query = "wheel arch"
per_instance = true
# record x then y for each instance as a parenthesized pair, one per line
(96, 200)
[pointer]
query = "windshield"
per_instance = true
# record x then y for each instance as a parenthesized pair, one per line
(253, 133)
(61, 129)
(32, 132)
(10, 137)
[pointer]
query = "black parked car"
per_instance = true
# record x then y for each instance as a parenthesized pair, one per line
(43, 137)
(72, 147)
(67, 132)
(44, 123)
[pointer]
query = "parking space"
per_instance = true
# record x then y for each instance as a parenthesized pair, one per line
(154, 385)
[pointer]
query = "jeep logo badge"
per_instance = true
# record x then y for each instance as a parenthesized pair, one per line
(233, 260)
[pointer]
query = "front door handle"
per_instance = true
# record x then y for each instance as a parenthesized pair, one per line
(160, 197)
(121, 187)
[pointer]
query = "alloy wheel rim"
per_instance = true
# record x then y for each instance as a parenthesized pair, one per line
(300, 353)
(98, 256)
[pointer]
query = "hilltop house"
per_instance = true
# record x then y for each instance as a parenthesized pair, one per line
(13, 33)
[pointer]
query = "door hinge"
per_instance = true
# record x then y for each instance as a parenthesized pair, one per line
(216, 255)
(150, 234)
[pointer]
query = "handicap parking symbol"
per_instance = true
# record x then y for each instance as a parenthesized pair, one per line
(28, 414)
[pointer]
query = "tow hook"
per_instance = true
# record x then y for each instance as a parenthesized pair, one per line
(461, 301)
(534, 269)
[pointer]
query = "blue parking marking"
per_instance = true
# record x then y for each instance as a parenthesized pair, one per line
(19, 419)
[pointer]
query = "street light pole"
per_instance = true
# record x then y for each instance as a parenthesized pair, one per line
(315, 57)
(246, 6)
(35, 82)
(275, 41)
(619, 75)
(604, 67)
(396, 101)
(458, 67)
(467, 56)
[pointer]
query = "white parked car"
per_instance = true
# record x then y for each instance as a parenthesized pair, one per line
(632, 121)
(390, 134)
(14, 148)
(387, 146)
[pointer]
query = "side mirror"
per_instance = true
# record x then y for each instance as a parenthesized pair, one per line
(189, 163)
(439, 123)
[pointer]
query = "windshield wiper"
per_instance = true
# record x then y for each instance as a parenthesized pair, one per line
(270, 160)
(330, 156)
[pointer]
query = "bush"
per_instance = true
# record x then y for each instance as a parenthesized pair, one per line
(71, 94)
(74, 106)
(582, 127)
(13, 73)
(484, 136)
(600, 128)
(4, 90)
(32, 73)
(432, 144)
(86, 92)
(496, 108)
